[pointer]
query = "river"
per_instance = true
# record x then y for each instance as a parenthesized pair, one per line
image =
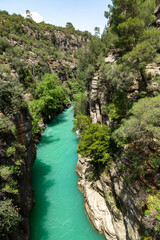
(58, 213)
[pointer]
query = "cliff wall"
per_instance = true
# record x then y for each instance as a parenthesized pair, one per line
(115, 203)
(21, 158)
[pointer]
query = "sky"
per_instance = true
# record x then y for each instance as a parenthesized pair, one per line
(83, 14)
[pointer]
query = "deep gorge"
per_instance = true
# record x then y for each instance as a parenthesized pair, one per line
(114, 82)
(58, 213)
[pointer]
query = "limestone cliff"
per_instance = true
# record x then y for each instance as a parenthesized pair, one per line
(95, 203)
(115, 205)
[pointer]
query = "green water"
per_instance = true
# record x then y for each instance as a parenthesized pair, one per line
(58, 213)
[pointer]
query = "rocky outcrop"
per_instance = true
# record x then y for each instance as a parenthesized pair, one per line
(109, 203)
(94, 202)
(96, 99)
(70, 41)
(64, 39)
(95, 111)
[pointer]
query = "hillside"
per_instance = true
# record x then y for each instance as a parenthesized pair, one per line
(37, 78)
(119, 164)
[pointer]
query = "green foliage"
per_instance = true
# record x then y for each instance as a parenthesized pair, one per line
(119, 76)
(6, 172)
(10, 151)
(127, 11)
(153, 36)
(155, 162)
(140, 56)
(95, 144)
(97, 31)
(70, 27)
(10, 94)
(81, 123)
(130, 20)
(153, 205)
(9, 216)
(143, 124)
(4, 44)
(88, 58)
(147, 212)
(50, 99)
(76, 86)
(109, 38)
(112, 112)
(130, 31)
(8, 185)
(80, 104)
(6, 125)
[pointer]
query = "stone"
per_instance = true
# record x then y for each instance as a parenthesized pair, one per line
(100, 205)
(110, 59)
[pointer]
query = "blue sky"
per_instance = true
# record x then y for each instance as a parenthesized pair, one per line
(83, 14)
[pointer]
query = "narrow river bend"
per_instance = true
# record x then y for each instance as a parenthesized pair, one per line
(58, 213)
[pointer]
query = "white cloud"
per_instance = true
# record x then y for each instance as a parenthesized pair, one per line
(35, 16)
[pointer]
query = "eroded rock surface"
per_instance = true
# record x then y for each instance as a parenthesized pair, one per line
(95, 204)
(116, 222)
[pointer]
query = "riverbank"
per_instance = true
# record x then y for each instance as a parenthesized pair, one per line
(58, 213)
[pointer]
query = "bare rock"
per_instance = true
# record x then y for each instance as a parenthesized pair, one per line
(94, 202)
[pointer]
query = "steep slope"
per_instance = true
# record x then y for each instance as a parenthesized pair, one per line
(31, 57)
(119, 165)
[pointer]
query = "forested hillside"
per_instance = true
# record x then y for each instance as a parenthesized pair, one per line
(118, 118)
(37, 79)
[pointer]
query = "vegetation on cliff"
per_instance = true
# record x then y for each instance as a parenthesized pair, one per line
(41, 69)
(131, 109)
(37, 72)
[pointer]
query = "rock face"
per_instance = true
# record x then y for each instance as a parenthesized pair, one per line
(24, 200)
(121, 222)
(96, 100)
(68, 42)
(24, 137)
(64, 40)
(115, 206)
(94, 202)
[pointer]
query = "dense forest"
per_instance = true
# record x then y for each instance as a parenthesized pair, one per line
(43, 68)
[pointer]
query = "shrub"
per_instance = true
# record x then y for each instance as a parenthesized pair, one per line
(95, 143)
(9, 216)
(143, 125)
(80, 104)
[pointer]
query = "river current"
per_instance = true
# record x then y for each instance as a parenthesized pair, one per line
(58, 213)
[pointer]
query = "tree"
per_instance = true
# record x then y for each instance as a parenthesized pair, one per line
(129, 20)
(80, 104)
(70, 26)
(4, 44)
(97, 31)
(143, 126)
(81, 123)
(50, 99)
(29, 15)
(95, 144)
(138, 58)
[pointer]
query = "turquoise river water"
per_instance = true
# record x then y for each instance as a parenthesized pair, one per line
(58, 213)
